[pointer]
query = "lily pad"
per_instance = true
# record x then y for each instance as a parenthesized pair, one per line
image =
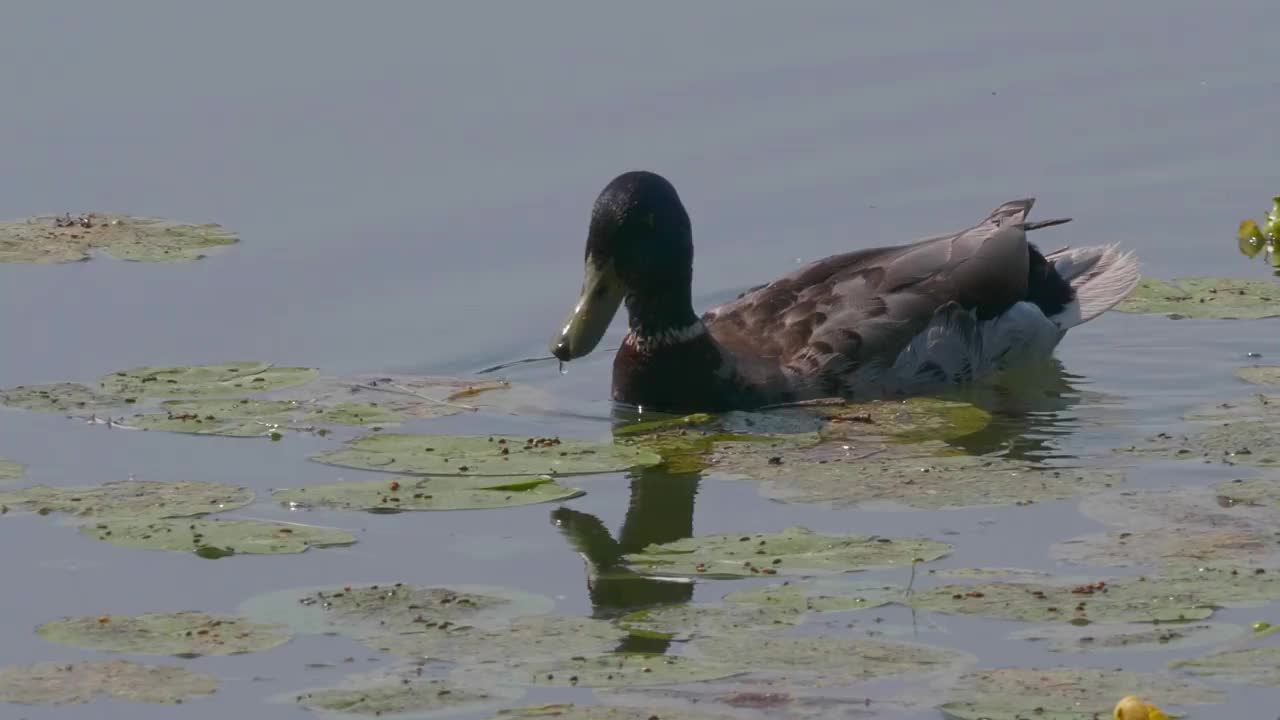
(433, 493)
(196, 381)
(524, 639)
(239, 417)
(1202, 297)
(187, 633)
(1255, 666)
(133, 499)
(1260, 374)
(389, 608)
(57, 397)
(1130, 637)
(821, 660)
(217, 538)
(400, 693)
(692, 620)
(1063, 693)
(51, 683)
(1247, 442)
(569, 711)
(619, 670)
(822, 594)
(10, 470)
(911, 420)
(426, 396)
(417, 454)
(60, 239)
(794, 551)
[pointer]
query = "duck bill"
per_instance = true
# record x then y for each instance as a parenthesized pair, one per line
(602, 293)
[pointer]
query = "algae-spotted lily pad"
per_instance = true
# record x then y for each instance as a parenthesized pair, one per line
(1063, 693)
(1201, 297)
(1255, 666)
(400, 693)
(388, 608)
(844, 476)
(57, 397)
(524, 639)
(417, 454)
(49, 683)
(184, 633)
(60, 239)
(10, 470)
(910, 420)
(1260, 374)
(821, 594)
(428, 395)
(690, 620)
(1130, 637)
(217, 538)
(237, 417)
(433, 493)
(233, 378)
(615, 670)
(133, 499)
(1245, 442)
(821, 660)
(794, 551)
(569, 711)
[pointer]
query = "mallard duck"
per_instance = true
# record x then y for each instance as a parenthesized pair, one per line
(885, 321)
(1132, 707)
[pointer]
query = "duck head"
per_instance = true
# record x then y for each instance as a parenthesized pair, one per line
(639, 251)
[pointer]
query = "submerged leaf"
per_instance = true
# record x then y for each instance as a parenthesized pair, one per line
(195, 381)
(184, 633)
(433, 493)
(133, 499)
(794, 551)
(1063, 693)
(1255, 666)
(60, 239)
(50, 683)
(1224, 298)
(237, 536)
(418, 454)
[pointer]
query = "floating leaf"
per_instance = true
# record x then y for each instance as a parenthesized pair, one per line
(1130, 637)
(402, 692)
(424, 396)
(433, 493)
(194, 381)
(417, 454)
(569, 711)
(235, 417)
(1201, 297)
(1247, 442)
(1063, 693)
(690, 620)
(1260, 374)
(822, 594)
(819, 660)
(349, 413)
(10, 470)
(615, 670)
(229, 536)
(794, 551)
(133, 499)
(51, 683)
(1255, 666)
(60, 239)
(911, 420)
(390, 608)
(524, 639)
(57, 397)
(186, 633)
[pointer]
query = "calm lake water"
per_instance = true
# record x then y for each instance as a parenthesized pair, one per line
(412, 183)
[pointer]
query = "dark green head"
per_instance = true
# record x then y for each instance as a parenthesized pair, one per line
(639, 249)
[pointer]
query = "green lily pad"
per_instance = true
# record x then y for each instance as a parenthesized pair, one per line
(822, 660)
(390, 608)
(417, 454)
(433, 493)
(61, 239)
(794, 551)
(57, 397)
(49, 683)
(617, 670)
(133, 499)
(691, 620)
(349, 413)
(569, 711)
(425, 396)
(1130, 637)
(217, 538)
(524, 639)
(1255, 666)
(914, 419)
(234, 417)
(196, 381)
(1260, 374)
(1247, 442)
(1184, 594)
(10, 470)
(844, 476)
(1064, 693)
(400, 693)
(822, 594)
(1200, 297)
(187, 633)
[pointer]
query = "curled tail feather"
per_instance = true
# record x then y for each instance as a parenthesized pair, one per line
(1101, 277)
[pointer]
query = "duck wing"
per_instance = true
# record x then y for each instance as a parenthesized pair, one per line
(823, 322)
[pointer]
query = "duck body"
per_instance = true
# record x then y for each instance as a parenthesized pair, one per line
(886, 321)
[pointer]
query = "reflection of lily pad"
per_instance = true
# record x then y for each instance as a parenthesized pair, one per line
(232, 378)
(216, 538)
(399, 693)
(1129, 637)
(417, 454)
(181, 633)
(1205, 298)
(528, 638)
(384, 608)
(434, 493)
(822, 594)
(569, 711)
(10, 470)
(56, 397)
(78, 683)
(1260, 374)
(133, 499)
(794, 551)
(1184, 594)
(1064, 693)
(60, 239)
(1255, 666)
